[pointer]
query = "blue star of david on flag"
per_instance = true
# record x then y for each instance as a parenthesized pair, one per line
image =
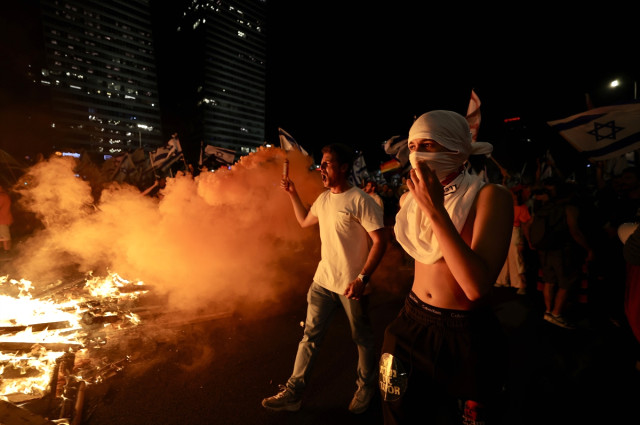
(602, 133)
(597, 127)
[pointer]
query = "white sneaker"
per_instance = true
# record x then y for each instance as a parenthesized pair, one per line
(361, 399)
(284, 400)
(559, 321)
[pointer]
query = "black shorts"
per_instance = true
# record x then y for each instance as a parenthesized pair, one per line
(438, 363)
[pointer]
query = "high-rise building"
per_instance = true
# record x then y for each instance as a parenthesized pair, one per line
(100, 69)
(224, 58)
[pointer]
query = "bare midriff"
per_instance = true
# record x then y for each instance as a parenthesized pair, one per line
(434, 284)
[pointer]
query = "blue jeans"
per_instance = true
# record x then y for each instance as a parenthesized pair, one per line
(321, 306)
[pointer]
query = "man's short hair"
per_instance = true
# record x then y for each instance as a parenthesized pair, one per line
(344, 154)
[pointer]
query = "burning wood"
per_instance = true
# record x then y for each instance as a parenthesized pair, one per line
(10, 414)
(55, 345)
(27, 347)
(46, 343)
(35, 327)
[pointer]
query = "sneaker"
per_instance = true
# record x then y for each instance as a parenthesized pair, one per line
(286, 399)
(361, 399)
(559, 321)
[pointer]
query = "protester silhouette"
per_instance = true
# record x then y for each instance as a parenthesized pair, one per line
(563, 252)
(514, 271)
(442, 355)
(353, 242)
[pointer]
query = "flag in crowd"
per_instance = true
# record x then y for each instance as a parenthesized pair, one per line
(359, 173)
(602, 133)
(165, 156)
(130, 167)
(223, 156)
(174, 144)
(473, 115)
(159, 156)
(546, 167)
(473, 119)
(289, 143)
(397, 147)
(391, 165)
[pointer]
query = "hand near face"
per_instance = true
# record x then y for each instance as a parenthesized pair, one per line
(425, 187)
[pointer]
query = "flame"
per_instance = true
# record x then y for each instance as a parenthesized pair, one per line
(35, 333)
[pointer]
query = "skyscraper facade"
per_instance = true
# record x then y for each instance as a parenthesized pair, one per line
(100, 69)
(226, 63)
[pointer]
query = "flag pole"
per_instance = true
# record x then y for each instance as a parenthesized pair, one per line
(503, 171)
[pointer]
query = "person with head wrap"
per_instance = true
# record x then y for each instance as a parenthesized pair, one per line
(442, 355)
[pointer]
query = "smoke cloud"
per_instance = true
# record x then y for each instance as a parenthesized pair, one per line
(219, 241)
(212, 246)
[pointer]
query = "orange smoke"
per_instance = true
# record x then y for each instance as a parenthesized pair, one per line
(225, 239)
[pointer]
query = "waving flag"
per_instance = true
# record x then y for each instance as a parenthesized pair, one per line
(398, 147)
(223, 155)
(288, 143)
(473, 115)
(174, 144)
(131, 168)
(359, 172)
(392, 164)
(160, 156)
(602, 133)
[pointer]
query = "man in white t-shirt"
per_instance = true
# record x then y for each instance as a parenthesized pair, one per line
(371, 188)
(353, 243)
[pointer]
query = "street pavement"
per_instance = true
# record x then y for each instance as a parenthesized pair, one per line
(219, 370)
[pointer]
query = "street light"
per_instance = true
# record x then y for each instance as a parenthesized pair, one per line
(615, 83)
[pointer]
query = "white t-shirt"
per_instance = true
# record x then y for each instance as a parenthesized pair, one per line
(344, 219)
(378, 199)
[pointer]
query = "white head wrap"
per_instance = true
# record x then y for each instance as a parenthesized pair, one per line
(450, 130)
(413, 229)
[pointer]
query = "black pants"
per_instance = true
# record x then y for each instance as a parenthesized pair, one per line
(442, 366)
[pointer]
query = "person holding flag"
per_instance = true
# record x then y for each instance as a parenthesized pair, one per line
(353, 241)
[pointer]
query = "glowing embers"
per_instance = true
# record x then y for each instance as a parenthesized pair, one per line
(48, 342)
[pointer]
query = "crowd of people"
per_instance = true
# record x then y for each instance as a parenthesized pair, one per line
(567, 241)
(581, 255)
(465, 235)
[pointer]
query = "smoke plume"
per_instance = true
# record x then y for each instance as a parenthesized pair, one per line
(222, 240)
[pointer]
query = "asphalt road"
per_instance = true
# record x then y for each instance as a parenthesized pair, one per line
(218, 369)
(585, 376)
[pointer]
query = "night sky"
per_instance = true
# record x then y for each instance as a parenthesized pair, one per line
(358, 72)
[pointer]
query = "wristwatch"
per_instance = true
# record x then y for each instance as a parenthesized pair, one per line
(364, 278)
